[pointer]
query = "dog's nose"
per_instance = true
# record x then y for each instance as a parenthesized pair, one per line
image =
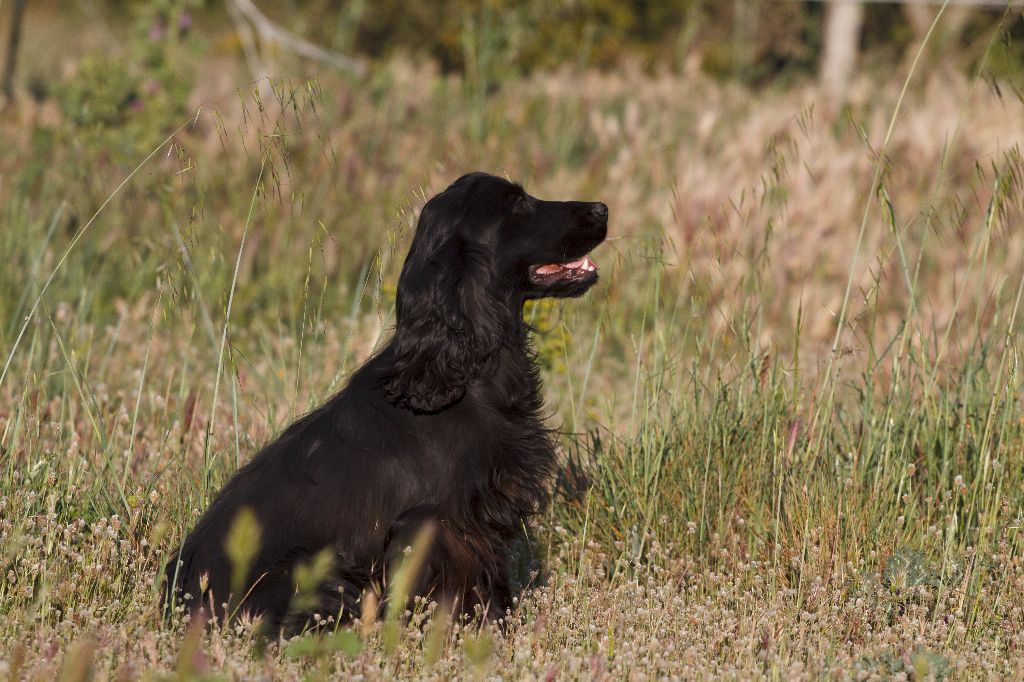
(599, 209)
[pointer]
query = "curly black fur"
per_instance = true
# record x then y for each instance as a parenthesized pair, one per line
(444, 426)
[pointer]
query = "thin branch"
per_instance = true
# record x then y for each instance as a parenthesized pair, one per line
(271, 32)
(249, 48)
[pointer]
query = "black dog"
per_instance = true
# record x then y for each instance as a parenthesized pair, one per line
(442, 428)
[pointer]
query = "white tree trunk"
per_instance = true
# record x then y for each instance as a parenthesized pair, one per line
(843, 20)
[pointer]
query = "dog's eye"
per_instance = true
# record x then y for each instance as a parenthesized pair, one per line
(522, 203)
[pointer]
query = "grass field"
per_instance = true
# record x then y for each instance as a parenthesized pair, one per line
(791, 418)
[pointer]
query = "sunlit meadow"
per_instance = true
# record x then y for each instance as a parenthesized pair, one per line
(790, 413)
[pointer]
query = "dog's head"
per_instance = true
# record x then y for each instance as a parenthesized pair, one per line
(482, 247)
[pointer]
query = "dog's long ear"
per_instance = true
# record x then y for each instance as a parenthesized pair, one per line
(450, 325)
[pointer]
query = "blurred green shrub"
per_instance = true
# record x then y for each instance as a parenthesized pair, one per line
(123, 103)
(535, 34)
(552, 335)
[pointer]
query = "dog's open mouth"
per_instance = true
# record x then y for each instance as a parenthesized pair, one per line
(551, 272)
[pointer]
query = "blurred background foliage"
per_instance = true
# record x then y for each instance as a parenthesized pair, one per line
(753, 41)
(121, 72)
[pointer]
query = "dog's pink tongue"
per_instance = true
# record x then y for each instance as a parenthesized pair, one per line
(549, 269)
(575, 264)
